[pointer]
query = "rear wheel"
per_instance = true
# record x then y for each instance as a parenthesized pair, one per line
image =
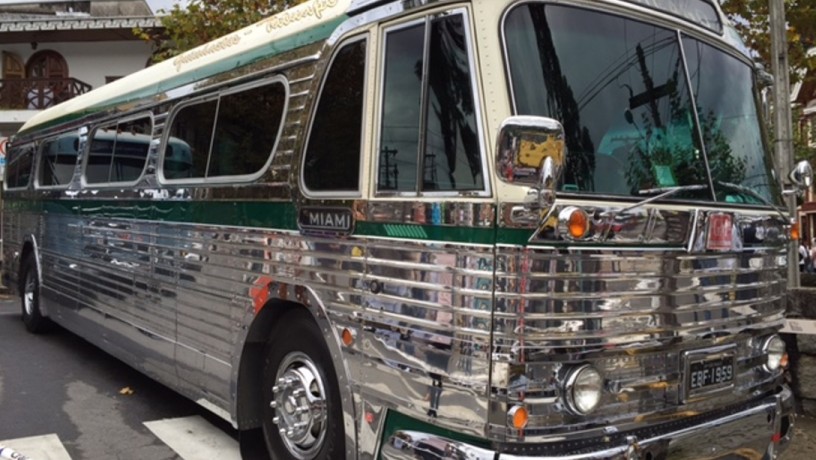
(302, 409)
(30, 299)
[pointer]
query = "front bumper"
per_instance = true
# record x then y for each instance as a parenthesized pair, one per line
(759, 432)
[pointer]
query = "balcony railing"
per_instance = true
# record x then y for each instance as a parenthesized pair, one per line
(38, 93)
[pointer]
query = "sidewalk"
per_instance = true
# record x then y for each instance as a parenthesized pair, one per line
(804, 439)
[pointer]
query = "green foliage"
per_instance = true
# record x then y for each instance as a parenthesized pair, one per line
(751, 20)
(205, 20)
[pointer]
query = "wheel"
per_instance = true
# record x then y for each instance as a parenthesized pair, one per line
(30, 299)
(303, 417)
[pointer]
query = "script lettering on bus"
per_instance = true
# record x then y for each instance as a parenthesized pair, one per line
(323, 220)
(211, 48)
(298, 13)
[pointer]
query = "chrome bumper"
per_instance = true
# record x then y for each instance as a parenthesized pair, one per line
(761, 431)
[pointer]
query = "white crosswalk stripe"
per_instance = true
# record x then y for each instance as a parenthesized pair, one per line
(192, 438)
(48, 447)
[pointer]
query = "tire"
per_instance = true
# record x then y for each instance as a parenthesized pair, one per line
(33, 318)
(302, 411)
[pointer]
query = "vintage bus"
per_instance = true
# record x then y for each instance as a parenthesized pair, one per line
(485, 229)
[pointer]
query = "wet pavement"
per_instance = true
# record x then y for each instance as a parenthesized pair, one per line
(804, 439)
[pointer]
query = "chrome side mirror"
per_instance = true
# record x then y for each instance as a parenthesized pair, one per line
(802, 176)
(764, 78)
(531, 151)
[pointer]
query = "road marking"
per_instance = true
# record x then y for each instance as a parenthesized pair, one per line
(47, 447)
(194, 438)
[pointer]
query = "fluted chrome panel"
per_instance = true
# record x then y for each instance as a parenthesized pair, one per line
(626, 298)
(630, 313)
(427, 317)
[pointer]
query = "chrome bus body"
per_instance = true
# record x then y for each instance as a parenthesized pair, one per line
(443, 311)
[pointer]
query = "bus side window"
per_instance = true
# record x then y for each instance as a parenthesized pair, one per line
(226, 136)
(192, 125)
(429, 132)
(332, 160)
(132, 144)
(20, 162)
(246, 130)
(118, 153)
(57, 161)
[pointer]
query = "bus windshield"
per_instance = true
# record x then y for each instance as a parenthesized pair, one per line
(644, 108)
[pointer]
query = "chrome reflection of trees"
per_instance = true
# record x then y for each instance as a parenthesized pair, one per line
(671, 154)
(451, 103)
(562, 105)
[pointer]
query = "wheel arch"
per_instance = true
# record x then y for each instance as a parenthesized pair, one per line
(29, 249)
(248, 377)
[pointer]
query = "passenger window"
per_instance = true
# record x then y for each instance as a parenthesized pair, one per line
(57, 161)
(332, 160)
(233, 135)
(118, 153)
(246, 130)
(429, 130)
(193, 125)
(20, 161)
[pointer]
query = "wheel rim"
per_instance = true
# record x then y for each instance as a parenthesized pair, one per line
(299, 404)
(28, 293)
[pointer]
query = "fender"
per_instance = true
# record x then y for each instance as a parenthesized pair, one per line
(274, 294)
(35, 253)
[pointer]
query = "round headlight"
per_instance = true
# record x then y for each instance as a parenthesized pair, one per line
(774, 349)
(583, 389)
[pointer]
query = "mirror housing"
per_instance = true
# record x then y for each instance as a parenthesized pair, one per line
(531, 151)
(764, 78)
(802, 176)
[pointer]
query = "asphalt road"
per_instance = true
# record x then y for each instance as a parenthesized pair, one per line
(62, 398)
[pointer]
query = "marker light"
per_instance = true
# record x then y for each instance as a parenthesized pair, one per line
(583, 389)
(518, 417)
(794, 232)
(574, 222)
(348, 337)
(774, 349)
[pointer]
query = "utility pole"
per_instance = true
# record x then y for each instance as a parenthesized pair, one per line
(783, 126)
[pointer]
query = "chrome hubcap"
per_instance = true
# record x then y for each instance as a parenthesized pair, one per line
(299, 404)
(28, 294)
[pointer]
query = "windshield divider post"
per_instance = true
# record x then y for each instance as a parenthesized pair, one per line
(697, 127)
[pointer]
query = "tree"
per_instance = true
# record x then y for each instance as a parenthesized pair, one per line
(205, 20)
(751, 20)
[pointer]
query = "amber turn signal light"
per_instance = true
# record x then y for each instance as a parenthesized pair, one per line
(574, 222)
(519, 417)
(348, 337)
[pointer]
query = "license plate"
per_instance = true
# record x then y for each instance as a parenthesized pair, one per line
(708, 372)
(711, 373)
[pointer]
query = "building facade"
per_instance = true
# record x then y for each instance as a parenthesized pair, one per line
(803, 99)
(53, 51)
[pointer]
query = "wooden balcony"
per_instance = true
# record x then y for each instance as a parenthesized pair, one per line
(38, 93)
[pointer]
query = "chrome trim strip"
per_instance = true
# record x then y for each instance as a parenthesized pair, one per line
(712, 438)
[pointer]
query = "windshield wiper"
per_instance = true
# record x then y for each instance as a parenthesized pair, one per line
(752, 193)
(663, 192)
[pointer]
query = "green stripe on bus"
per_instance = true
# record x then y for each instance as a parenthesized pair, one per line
(259, 214)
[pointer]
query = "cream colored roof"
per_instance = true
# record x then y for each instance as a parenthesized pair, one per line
(286, 24)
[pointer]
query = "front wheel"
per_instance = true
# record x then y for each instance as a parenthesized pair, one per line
(302, 408)
(33, 318)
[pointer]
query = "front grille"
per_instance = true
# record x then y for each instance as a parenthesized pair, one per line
(631, 314)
